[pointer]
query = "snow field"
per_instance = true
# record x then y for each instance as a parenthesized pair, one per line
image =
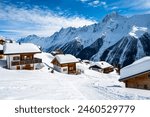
(44, 85)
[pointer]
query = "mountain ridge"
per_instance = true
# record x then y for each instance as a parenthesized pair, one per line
(114, 30)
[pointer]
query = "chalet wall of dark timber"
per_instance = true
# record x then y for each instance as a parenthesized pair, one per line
(65, 63)
(19, 57)
(140, 81)
(71, 67)
(108, 70)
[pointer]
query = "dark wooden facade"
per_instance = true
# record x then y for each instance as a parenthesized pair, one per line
(108, 70)
(95, 68)
(1, 54)
(103, 70)
(27, 61)
(140, 81)
(2, 41)
(71, 67)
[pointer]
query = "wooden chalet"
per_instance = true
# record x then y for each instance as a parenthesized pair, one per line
(102, 66)
(137, 75)
(2, 41)
(21, 56)
(65, 63)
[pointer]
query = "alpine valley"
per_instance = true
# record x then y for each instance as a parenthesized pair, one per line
(116, 39)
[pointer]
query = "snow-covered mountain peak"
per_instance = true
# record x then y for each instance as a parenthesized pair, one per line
(116, 39)
(137, 31)
(111, 16)
(32, 36)
(78, 39)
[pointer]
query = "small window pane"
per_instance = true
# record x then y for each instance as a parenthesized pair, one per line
(64, 69)
(16, 58)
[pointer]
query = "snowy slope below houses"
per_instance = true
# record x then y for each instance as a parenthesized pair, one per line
(41, 84)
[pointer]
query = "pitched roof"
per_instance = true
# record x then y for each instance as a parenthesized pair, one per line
(16, 48)
(139, 66)
(101, 64)
(66, 58)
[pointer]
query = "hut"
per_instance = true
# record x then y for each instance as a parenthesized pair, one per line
(21, 56)
(65, 63)
(137, 75)
(102, 66)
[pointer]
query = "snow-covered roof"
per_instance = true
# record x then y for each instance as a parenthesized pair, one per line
(139, 66)
(2, 38)
(16, 48)
(1, 47)
(85, 61)
(101, 64)
(66, 58)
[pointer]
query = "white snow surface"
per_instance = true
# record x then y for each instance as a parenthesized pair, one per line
(44, 85)
(1, 47)
(137, 31)
(10, 48)
(101, 64)
(142, 64)
(66, 58)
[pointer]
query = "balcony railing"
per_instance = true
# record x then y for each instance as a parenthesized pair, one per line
(23, 62)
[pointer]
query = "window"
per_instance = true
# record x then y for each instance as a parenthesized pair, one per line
(15, 63)
(16, 58)
(65, 69)
(70, 68)
(26, 57)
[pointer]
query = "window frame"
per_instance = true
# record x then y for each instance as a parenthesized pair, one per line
(15, 58)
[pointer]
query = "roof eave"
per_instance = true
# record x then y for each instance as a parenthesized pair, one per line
(130, 77)
(21, 53)
(67, 62)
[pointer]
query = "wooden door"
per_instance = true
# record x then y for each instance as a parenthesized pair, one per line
(18, 67)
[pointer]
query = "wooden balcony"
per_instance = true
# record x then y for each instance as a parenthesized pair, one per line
(24, 62)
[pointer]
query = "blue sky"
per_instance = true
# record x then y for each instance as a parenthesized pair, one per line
(19, 18)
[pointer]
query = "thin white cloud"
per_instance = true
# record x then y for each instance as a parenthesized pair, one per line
(128, 8)
(38, 21)
(114, 8)
(134, 4)
(94, 3)
(103, 3)
(98, 3)
(141, 4)
(84, 0)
